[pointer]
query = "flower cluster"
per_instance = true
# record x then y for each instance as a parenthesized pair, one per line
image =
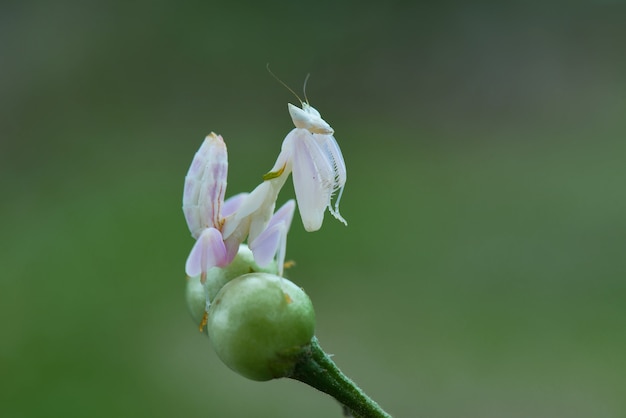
(220, 226)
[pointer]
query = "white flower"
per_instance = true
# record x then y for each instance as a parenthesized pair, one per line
(255, 218)
(219, 226)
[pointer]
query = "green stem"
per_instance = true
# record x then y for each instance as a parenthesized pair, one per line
(315, 368)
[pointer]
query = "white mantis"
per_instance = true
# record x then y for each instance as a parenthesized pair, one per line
(219, 226)
(311, 152)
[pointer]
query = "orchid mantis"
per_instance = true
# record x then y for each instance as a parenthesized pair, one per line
(219, 226)
(311, 152)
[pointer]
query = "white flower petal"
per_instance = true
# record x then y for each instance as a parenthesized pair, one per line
(273, 240)
(208, 251)
(237, 228)
(250, 203)
(264, 247)
(205, 185)
(232, 204)
(255, 210)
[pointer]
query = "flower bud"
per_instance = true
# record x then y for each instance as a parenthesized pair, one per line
(259, 324)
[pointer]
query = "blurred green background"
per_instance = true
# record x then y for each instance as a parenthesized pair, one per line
(482, 273)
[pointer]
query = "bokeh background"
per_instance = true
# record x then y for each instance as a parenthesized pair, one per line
(482, 273)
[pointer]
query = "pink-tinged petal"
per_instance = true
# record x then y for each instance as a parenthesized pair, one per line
(209, 251)
(232, 204)
(237, 228)
(255, 204)
(205, 185)
(261, 217)
(253, 201)
(284, 214)
(273, 240)
(252, 213)
(265, 246)
(232, 244)
(313, 179)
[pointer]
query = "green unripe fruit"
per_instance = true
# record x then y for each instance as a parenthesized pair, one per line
(259, 324)
(196, 298)
(196, 293)
(243, 263)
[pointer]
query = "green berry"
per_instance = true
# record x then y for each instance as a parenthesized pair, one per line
(196, 298)
(259, 324)
(196, 293)
(243, 263)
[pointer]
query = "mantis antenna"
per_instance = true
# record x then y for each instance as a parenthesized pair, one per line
(306, 99)
(286, 86)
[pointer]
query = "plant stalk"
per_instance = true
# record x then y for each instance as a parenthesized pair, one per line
(316, 369)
